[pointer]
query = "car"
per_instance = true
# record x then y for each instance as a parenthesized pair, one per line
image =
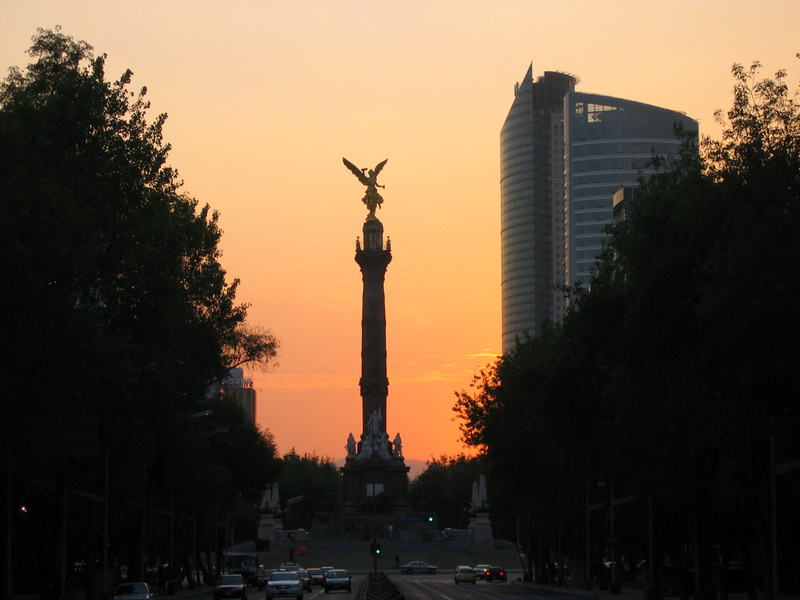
(417, 566)
(133, 591)
(263, 577)
(316, 576)
(481, 571)
(465, 574)
(284, 584)
(325, 569)
(305, 579)
(231, 585)
(337, 579)
(497, 574)
(290, 566)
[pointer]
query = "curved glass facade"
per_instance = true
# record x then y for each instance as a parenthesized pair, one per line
(608, 144)
(531, 183)
(563, 155)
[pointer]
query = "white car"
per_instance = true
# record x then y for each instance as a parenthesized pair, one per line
(417, 566)
(231, 585)
(285, 584)
(133, 591)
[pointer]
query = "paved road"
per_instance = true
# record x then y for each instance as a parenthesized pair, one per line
(441, 585)
(204, 593)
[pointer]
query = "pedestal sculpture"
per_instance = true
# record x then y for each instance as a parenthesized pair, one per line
(481, 526)
(270, 528)
(375, 476)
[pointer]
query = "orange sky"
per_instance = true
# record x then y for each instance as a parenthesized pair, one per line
(264, 99)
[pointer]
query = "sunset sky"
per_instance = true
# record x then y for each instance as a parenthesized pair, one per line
(266, 97)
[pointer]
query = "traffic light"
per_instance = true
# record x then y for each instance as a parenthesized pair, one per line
(375, 548)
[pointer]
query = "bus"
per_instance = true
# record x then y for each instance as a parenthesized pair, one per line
(246, 565)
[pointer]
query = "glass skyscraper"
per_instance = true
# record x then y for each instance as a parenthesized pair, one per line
(563, 156)
(609, 143)
(532, 203)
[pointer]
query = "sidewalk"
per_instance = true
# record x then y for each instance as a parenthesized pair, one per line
(628, 592)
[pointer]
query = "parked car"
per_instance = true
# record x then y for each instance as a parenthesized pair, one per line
(481, 571)
(133, 591)
(284, 584)
(305, 579)
(230, 586)
(316, 576)
(417, 566)
(465, 574)
(337, 579)
(496, 574)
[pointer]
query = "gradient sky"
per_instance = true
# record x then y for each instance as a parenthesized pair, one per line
(266, 97)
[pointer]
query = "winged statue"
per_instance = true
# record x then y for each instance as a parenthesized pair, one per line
(369, 177)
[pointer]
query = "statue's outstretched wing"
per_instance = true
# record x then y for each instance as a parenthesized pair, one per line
(379, 167)
(356, 171)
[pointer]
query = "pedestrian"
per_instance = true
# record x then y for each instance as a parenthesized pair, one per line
(397, 561)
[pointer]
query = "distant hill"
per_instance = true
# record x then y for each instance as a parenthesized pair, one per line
(417, 466)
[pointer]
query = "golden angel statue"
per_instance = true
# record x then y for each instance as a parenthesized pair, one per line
(369, 177)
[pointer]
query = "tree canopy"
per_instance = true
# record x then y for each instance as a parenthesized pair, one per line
(114, 304)
(445, 489)
(672, 374)
(317, 479)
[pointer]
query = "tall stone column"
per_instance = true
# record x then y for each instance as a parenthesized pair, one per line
(373, 258)
(374, 476)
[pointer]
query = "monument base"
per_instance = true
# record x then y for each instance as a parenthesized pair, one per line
(374, 504)
(364, 527)
(270, 531)
(482, 538)
(374, 484)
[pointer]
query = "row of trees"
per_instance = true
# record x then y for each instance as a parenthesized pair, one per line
(317, 479)
(673, 378)
(444, 489)
(117, 325)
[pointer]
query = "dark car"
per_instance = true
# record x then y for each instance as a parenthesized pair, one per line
(305, 579)
(481, 571)
(337, 579)
(496, 574)
(316, 576)
(230, 586)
